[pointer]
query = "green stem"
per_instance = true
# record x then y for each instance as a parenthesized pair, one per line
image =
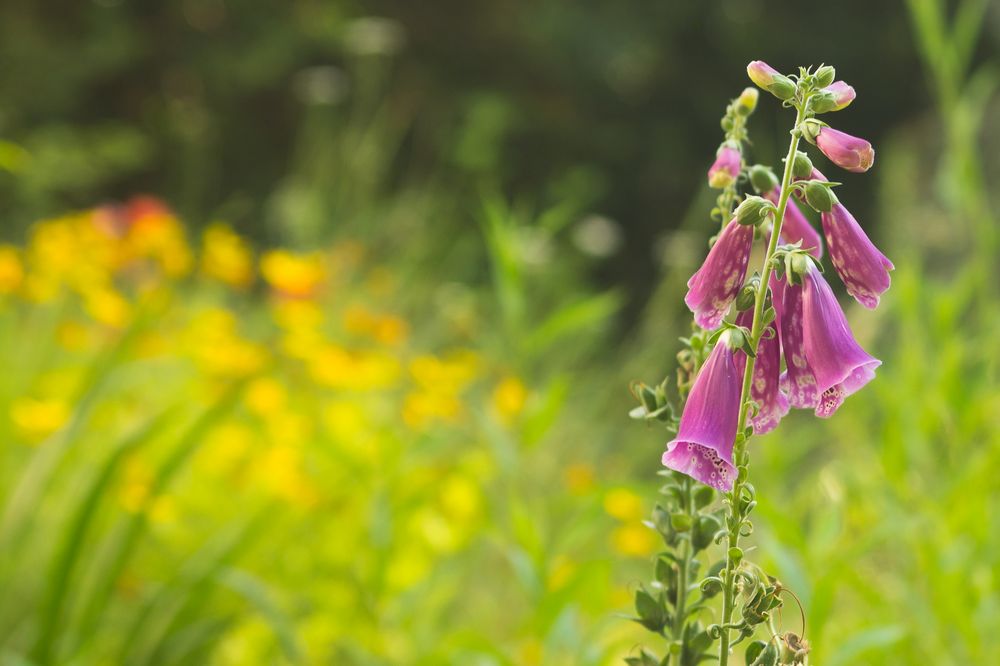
(735, 520)
(680, 608)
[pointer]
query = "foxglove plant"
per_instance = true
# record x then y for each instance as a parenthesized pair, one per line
(762, 344)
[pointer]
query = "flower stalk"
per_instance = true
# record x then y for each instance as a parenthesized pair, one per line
(738, 509)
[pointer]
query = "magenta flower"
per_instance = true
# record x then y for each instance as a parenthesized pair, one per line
(765, 387)
(713, 288)
(843, 94)
(797, 381)
(796, 227)
(726, 167)
(824, 362)
(703, 447)
(864, 270)
(846, 151)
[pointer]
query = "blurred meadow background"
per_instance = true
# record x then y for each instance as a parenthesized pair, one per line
(318, 317)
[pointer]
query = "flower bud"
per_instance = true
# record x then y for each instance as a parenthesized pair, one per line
(726, 167)
(763, 179)
(825, 76)
(811, 129)
(843, 94)
(799, 264)
(746, 298)
(802, 166)
(848, 152)
(771, 80)
(822, 102)
(752, 210)
(746, 103)
(820, 197)
(734, 338)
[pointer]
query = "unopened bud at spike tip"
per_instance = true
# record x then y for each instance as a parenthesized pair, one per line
(825, 76)
(747, 101)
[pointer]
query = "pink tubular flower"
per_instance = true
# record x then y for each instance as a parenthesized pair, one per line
(765, 387)
(848, 152)
(712, 289)
(825, 364)
(796, 227)
(726, 167)
(843, 94)
(864, 270)
(703, 447)
(797, 381)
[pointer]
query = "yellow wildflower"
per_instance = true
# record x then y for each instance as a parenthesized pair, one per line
(155, 233)
(280, 471)
(226, 257)
(107, 307)
(219, 350)
(335, 367)
(11, 269)
(634, 539)
(386, 329)
(445, 375)
(509, 398)
(460, 498)
(421, 408)
(266, 396)
(623, 504)
(293, 275)
(38, 418)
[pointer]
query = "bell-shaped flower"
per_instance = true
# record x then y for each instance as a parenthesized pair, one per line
(765, 387)
(712, 289)
(848, 152)
(797, 381)
(703, 447)
(726, 167)
(795, 226)
(824, 363)
(864, 270)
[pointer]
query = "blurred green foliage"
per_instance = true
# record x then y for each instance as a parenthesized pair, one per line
(530, 176)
